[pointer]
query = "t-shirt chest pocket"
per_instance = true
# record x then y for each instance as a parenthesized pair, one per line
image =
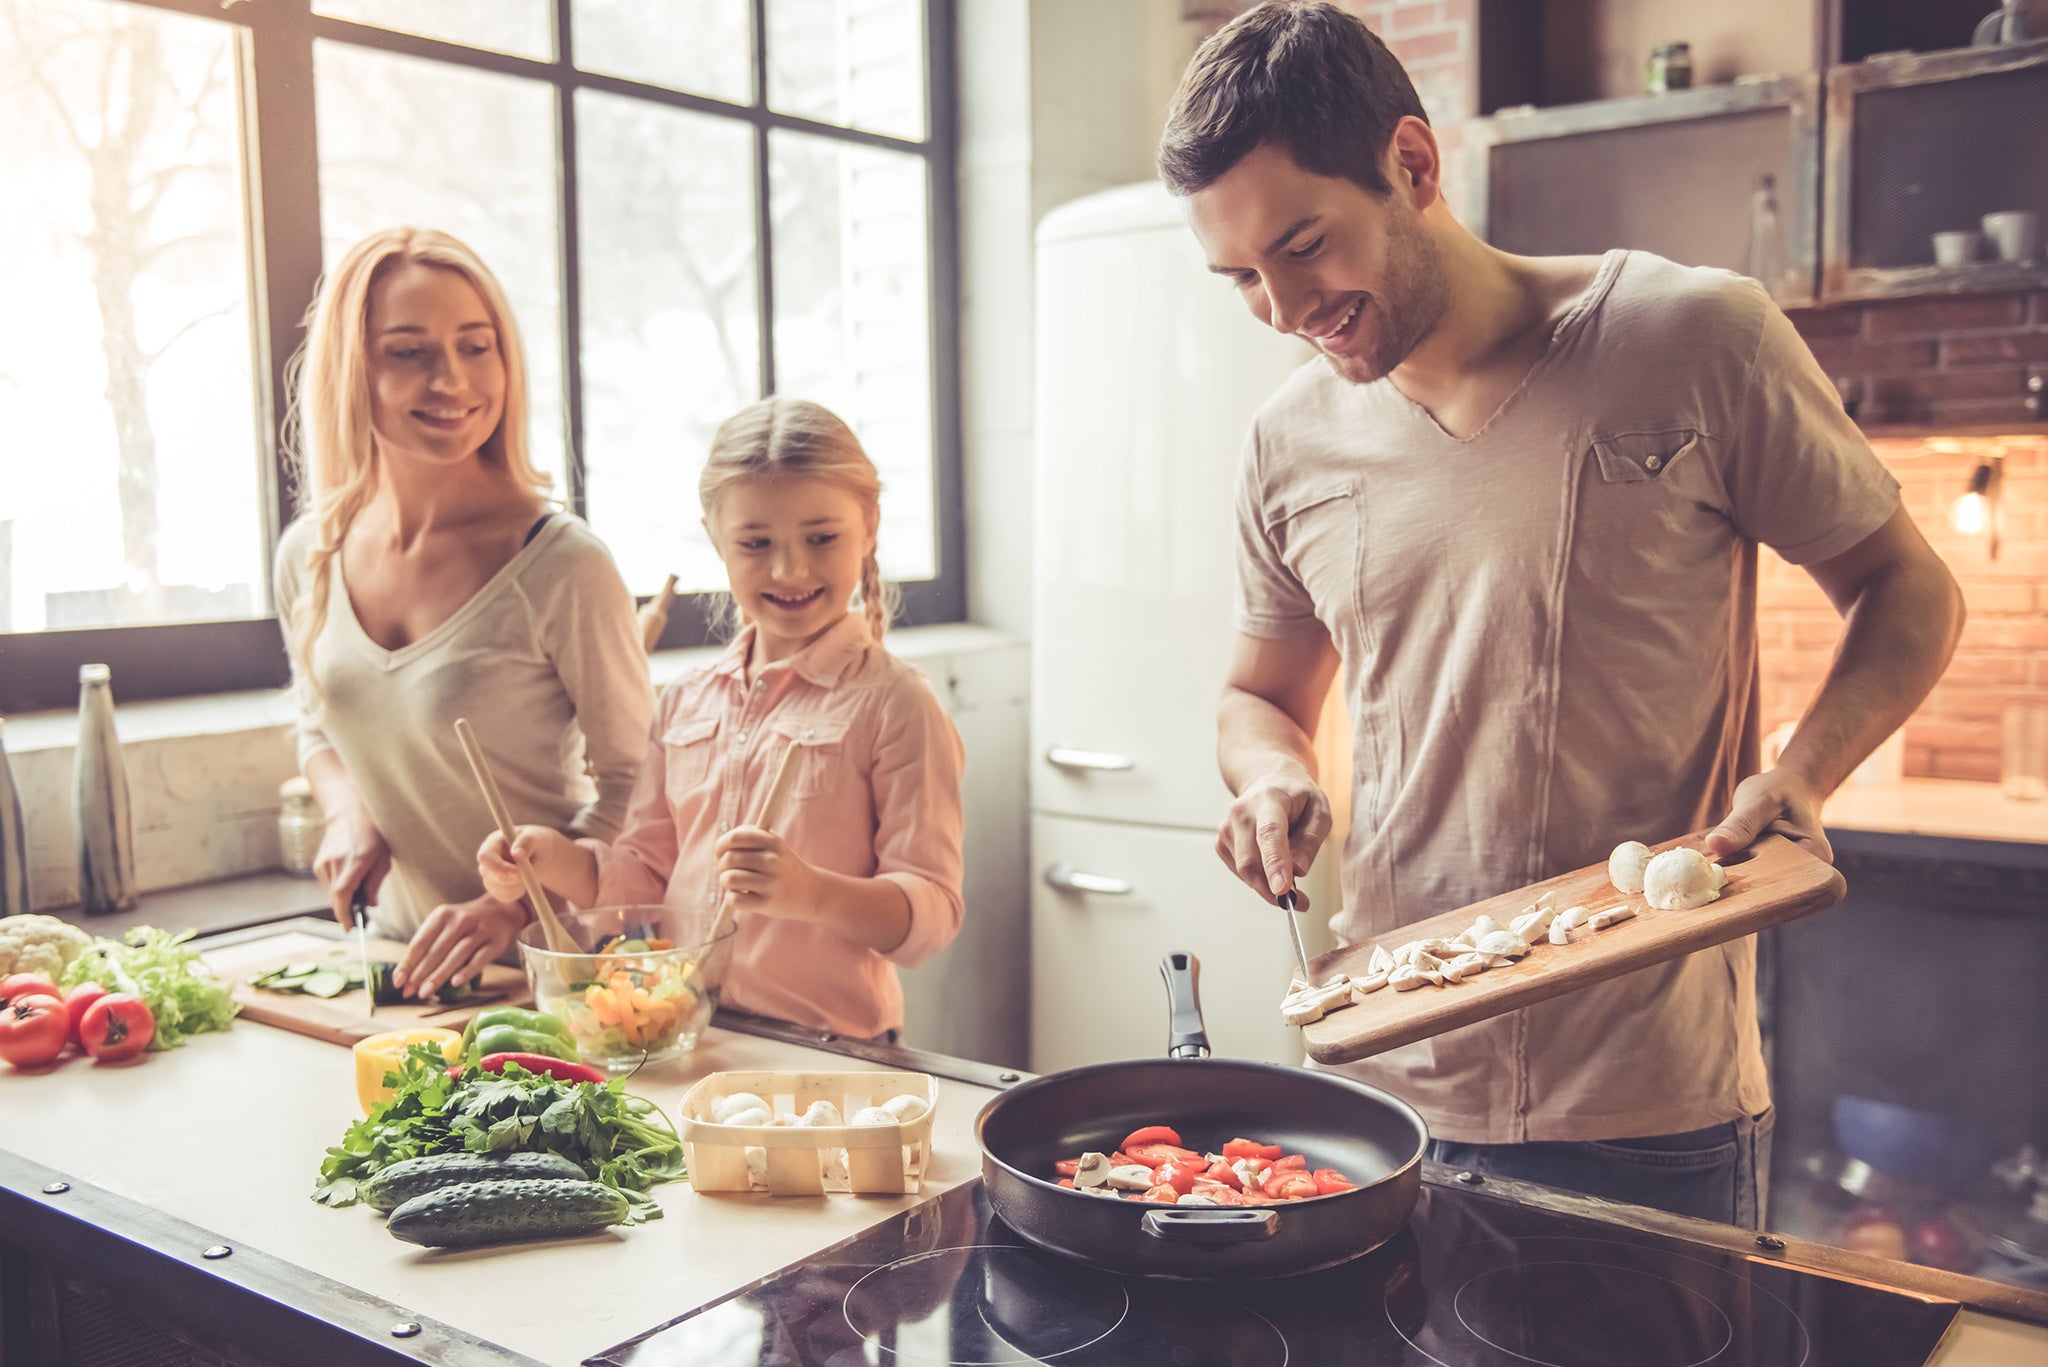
(1653, 496)
(686, 750)
(1636, 457)
(821, 761)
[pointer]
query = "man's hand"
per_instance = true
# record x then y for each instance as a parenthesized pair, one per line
(1272, 832)
(1776, 800)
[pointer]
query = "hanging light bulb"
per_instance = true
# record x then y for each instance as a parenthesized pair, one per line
(1976, 509)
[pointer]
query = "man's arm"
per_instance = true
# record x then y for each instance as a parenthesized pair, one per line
(1265, 732)
(1903, 613)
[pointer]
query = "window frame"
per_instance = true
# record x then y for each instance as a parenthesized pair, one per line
(280, 163)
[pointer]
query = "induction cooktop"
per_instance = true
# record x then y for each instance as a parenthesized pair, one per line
(1474, 1280)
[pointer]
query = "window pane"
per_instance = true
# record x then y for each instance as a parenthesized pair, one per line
(670, 323)
(469, 152)
(130, 472)
(702, 46)
(524, 28)
(852, 317)
(854, 62)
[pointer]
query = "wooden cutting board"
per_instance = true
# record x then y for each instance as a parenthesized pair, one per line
(349, 1017)
(1772, 882)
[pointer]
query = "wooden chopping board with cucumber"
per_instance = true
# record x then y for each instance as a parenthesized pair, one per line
(313, 970)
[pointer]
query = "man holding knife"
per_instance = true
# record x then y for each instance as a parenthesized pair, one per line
(1518, 500)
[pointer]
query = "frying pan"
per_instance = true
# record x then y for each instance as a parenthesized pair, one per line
(1373, 1138)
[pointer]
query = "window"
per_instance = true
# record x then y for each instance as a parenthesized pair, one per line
(690, 202)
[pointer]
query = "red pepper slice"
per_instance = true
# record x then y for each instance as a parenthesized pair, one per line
(1250, 1148)
(561, 1070)
(1152, 1134)
(1329, 1182)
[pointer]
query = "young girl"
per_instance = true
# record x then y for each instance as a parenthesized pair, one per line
(429, 578)
(861, 869)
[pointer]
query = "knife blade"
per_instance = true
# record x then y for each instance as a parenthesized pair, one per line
(1287, 904)
(358, 906)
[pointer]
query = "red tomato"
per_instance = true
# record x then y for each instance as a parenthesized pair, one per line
(1289, 1185)
(1220, 1194)
(1157, 1155)
(1180, 1176)
(117, 1027)
(1152, 1134)
(1067, 1182)
(33, 1030)
(1329, 1181)
(75, 1003)
(1248, 1148)
(1223, 1173)
(1067, 1167)
(1163, 1195)
(27, 985)
(1290, 1162)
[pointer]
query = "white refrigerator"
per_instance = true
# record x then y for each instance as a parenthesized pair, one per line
(1149, 370)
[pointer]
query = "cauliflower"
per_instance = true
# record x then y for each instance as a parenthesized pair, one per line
(39, 944)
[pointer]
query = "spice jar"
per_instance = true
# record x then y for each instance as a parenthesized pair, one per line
(1670, 68)
(299, 826)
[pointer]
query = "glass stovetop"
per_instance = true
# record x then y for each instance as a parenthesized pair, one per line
(1472, 1281)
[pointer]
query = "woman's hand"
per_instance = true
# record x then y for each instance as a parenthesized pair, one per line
(762, 874)
(554, 856)
(456, 942)
(353, 853)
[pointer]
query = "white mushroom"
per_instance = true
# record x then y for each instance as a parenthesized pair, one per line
(1189, 1198)
(1505, 943)
(1304, 1007)
(1560, 933)
(1104, 1190)
(1131, 1177)
(822, 1113)
(723, 1106)
(905, 1107)
(1600, 920)
(1379, 961)
(1361, 988)
(872, 1115)
(752, 1115)
(1571, 918)
(1626, 865)
(1480, 929)
(1405, 978)
(1533, 922)
(1465, 965)
(1680, 879)
(1091, 1171)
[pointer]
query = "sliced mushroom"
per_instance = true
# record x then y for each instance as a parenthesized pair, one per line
(1361, 988)
(1131, 1177)
(1465, 965)
(1379, 961)
(1193, 1198)
(1092, 1171)
(1571, 918)
(1533, 922)
(1406, 978)
(1480, 929)
(1560, 933)
(1613, 916)
(1504, 942)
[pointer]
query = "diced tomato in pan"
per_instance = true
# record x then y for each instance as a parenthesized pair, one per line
(1180, 1176)
(1163, 1195)
(1247, 1148)
(1067, 1167)
(1289, 1185)
(1329, 1182)
(1152, 1134)
(1155, 1155)
(1290, 1162)
(1223, 1174)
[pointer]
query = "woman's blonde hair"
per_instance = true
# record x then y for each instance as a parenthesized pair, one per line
(328, 433)
(787, 438)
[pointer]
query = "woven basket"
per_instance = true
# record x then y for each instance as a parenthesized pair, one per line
(807, 1160)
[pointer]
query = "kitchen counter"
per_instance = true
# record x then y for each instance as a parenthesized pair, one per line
(1936, 807)
(215, 1145)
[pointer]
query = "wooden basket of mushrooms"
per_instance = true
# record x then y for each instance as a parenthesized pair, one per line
(805, 1134)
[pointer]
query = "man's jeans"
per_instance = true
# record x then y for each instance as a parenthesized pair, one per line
(1721, 1173)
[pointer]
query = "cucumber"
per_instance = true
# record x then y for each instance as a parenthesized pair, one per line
(410, 1177)
(472, 1213)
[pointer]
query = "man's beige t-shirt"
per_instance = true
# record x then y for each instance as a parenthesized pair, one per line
(547, 663)
(1549, 642)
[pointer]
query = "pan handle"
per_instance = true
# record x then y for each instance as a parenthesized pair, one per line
(1185, 1036)
(1212, 1225)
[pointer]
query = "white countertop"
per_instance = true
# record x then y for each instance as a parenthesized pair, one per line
(228, 1131)
(1936, 806)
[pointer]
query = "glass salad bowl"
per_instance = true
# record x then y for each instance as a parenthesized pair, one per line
(633, 995)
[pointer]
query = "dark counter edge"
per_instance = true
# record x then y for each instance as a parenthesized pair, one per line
(261, 1304)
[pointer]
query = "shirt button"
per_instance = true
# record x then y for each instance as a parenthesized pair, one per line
(724, 826)
(712, 900)
(1655, 462)
(760, 685)
(741, 738)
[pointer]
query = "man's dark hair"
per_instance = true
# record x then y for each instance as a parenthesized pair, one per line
(1299, 73)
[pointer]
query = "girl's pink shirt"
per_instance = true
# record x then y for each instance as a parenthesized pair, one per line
(876, 794)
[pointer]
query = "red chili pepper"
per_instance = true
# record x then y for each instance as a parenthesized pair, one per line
(1329, 1182)
(1251, 1148)
(1152, 1134)
(561, 1070)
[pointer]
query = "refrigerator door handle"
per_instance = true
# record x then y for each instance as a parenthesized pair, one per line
(1066, 878)
(1066, 758)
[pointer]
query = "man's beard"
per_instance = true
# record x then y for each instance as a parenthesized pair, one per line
(1405, 311)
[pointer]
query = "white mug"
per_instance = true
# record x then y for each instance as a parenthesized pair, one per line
(1957, 248)
(2016, 232)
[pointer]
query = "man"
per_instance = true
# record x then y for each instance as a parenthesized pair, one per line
(1518, 500)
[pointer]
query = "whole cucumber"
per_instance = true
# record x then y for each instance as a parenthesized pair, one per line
(472, 1213)
(409, 1177)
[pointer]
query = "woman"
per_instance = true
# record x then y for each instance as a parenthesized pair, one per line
(431, 578)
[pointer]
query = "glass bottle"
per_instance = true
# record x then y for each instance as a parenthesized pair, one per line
(299, 826)
(1764, 260)
(13, 844)
(99, 801)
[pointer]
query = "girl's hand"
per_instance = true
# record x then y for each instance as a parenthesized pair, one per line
(547, 849)
(353, 853)
(455, 942)
(763, 875)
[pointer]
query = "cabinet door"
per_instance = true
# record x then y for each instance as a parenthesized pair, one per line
(1096, 993)
(1149, 371)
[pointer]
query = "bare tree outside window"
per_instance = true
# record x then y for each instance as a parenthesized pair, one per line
(132, 479)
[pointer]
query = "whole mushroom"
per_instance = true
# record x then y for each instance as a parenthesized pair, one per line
(1680, 879)
(1626, 865)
